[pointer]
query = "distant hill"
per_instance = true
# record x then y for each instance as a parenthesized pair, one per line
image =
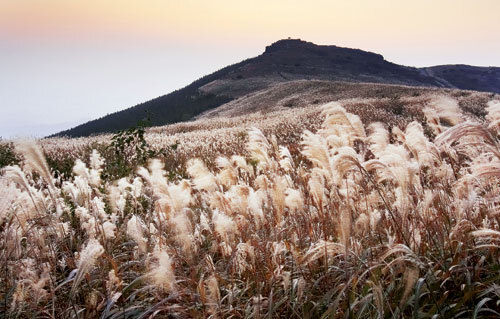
(283, 61)
(466, 77)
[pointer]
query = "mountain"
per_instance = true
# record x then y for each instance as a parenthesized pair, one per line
(284, 61)
(466, 77)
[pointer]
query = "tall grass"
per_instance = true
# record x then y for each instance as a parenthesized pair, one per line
(354, 222)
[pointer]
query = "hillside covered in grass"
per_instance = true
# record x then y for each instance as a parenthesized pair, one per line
(367, 207)
(282, 62)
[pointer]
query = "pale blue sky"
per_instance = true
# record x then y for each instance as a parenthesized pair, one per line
(44, 89)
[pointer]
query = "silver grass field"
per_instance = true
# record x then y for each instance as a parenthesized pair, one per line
(332, 211)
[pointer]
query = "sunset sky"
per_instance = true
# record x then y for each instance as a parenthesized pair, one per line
(64, 62)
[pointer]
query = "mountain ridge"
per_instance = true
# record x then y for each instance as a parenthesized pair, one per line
(282, 61)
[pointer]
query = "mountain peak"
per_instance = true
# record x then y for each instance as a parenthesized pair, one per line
(300, 47)
(282, 61)
(289, 44)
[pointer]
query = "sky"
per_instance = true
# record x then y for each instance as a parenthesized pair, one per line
(64, 62)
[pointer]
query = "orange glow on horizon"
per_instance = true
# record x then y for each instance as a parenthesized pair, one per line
(247, 19)
(452, 25)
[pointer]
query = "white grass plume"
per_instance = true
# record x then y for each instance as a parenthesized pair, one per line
(228, 175)
(419, 145)
(493, 116)
(447, 109)
(183, 229)
(180, 195)
(155, 177)
(224, 225)
(320, 249)
(346, 160)
(135, 230)
(202, 178)
(86, 261)
(241, 163)
(96, 161)
(161, 272)
(293, 200)
(338, 120)
(34, 159)
(256, 201)
(286, 160)
(17, 176)
(8, 195)
(316, 186)
(244, 259)
(258, 146)
(378, 138)
(316, 150)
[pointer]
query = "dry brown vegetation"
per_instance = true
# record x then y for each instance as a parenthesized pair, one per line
(297, 213)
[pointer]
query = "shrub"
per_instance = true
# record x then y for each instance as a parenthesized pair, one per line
(7, 155)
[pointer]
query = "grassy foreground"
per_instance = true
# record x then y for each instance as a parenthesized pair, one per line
(353, 221)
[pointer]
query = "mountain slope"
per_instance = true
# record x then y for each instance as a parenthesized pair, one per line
(467, 77)
(283, 61)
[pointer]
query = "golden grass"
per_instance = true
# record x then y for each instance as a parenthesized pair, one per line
(329, 218)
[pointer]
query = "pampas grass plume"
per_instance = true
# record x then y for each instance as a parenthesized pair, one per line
(86, 261)
(162, 272)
